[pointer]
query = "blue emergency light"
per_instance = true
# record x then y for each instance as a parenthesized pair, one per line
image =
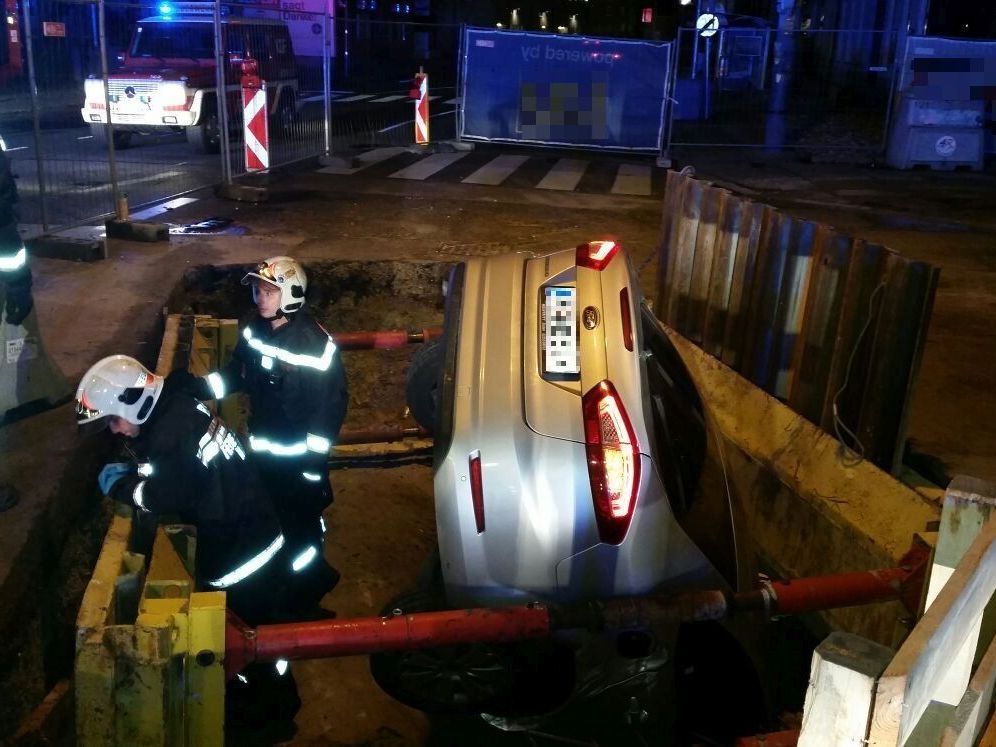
(165, 9)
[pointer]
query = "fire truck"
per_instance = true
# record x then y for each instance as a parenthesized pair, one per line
(167, 79)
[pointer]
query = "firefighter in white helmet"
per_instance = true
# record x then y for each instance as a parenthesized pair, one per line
(181, 460)
(290, 368)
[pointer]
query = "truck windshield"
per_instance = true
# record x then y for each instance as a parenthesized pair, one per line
(174, 39)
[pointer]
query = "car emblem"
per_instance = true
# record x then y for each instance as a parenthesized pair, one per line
(589, 317)
(130, 92)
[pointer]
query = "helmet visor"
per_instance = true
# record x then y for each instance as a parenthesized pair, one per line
(89, 419)
(263, 272)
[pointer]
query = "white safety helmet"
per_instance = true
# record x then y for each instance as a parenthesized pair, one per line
(117, 385)
(288, 275)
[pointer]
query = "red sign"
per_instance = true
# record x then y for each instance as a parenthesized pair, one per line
(53, 28)
(256, 131)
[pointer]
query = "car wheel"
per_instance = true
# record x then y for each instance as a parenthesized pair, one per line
(422, 386)
(206, 136)
(449, 679)
(122, 138)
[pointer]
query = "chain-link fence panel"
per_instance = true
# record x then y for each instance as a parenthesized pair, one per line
(819, 90)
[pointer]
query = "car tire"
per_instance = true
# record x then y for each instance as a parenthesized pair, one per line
(423, 382)
(122, 138)
(464, 679)
(206, 136)
(515, 679)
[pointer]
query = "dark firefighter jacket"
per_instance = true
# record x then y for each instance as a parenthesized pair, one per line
(15, 274)
(296, 387)
(188, 463)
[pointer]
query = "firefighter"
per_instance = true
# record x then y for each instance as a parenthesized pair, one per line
(14, 271)
(184, 461)
(288, 365)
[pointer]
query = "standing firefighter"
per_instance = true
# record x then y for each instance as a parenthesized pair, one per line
(287, 363)
(184, 461)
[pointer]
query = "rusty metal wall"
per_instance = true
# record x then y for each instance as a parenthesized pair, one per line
(828, 323)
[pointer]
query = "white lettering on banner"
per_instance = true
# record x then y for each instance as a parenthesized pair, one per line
(21, 349)
(556, 54)
(489, 43)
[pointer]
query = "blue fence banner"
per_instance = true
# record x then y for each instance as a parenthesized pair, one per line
(551, 89)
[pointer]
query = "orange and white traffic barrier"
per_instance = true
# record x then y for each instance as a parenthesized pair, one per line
(256, 133)
(422, 109)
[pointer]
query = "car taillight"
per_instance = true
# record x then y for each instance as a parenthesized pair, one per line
(627, 319)
(595, 254)
(477, 489)
(613, 461)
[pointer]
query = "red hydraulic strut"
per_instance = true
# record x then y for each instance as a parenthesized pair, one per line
(366, 635)
(388, 339)
(381, 434)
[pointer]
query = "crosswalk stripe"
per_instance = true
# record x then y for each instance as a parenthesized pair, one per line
(428, 166)
(394, 97)
(357, 97)
(496, 170)
(564, 175)
(632, 179)
(364, 160)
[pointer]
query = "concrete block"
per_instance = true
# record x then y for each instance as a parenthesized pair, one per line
(136, 230)
(65, 247)
(242, 193)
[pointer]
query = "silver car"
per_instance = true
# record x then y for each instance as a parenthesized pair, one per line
(573, 460)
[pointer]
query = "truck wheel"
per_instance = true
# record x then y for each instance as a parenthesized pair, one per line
(285, 116)
(122, 138)
(206, 136)
(423, 380)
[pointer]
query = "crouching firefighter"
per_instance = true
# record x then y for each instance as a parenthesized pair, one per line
(185, 462)
(288, 365)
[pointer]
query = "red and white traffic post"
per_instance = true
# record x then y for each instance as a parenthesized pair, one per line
(421, 95)
(256, 133)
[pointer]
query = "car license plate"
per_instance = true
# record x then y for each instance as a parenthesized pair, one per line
(560, 344)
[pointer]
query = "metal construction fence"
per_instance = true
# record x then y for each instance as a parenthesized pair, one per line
(825, 89)
(331, 84)
(337, 83)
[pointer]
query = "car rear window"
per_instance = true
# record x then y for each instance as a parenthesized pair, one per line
(679, 432)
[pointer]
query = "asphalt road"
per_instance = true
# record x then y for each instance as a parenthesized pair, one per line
(158, 165)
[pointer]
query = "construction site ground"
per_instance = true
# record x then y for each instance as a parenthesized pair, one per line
(382, 524)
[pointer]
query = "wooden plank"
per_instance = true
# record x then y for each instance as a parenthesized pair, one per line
(673, 190)
(791, 302)
(897, 336)
(913, 677)
(973, 710)
(721, 279)
(754, 226)
(841, 690)
(167, 350)
(713, 206)
(759, 365)
(683, 252)
(814, 354)
(845, 382)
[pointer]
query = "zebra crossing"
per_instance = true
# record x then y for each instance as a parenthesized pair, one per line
(599, 175)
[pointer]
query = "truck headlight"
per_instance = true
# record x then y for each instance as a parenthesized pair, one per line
(172, 94)
(93, 88)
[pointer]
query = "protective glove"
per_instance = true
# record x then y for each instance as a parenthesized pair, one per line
(19, 302)
(110, 474)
